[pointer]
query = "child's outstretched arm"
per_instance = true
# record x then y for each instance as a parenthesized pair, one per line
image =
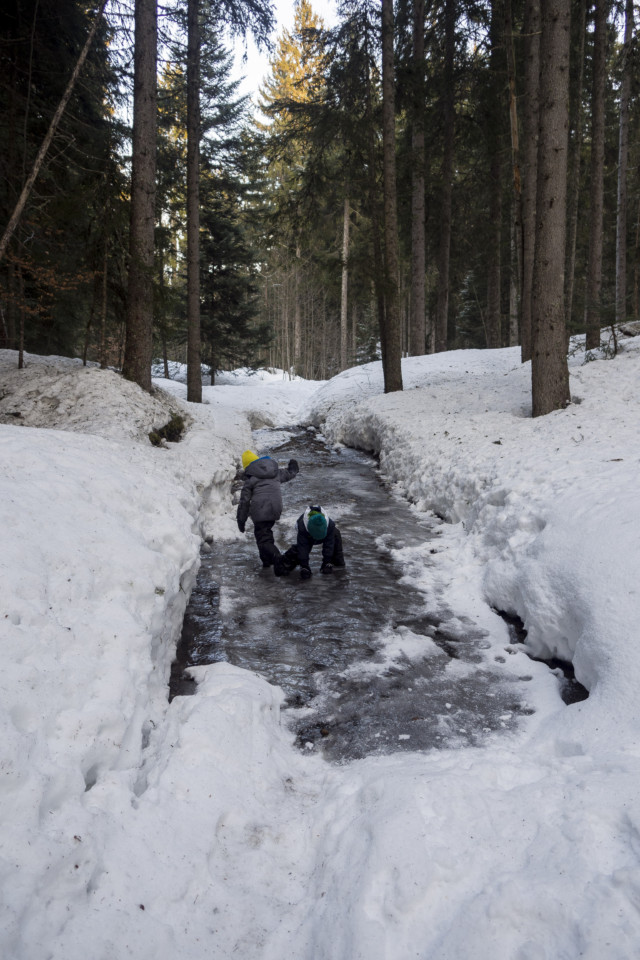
(291, 471)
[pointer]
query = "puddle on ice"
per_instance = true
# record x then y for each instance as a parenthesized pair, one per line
(364, 667)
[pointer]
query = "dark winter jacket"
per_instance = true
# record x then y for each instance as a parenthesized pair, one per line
(305, 541)
(261, 497)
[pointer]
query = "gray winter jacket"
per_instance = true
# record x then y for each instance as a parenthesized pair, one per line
(261, 497)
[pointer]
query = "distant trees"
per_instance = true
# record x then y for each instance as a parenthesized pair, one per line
(478, 194)
(274, 238)
(59, 141)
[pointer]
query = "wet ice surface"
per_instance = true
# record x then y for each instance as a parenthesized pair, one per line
(326, 641)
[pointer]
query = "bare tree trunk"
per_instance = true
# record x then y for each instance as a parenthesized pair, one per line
(623, 159)
(46, 143)
(549, 369)
(515, 283)
(21, 319)
(194, 359)
(372, 191)
(416, 344)
(636, 270)
(594, 268)
(392, 334)
(139, 334)
(494, 266)
(575, 153)
(297, 316)
(516, 246)
(344, 301)
(494, 141)
(440, 330)
(103, 305)
(354, 335)
(529, 164)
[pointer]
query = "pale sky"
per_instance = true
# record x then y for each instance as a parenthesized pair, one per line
(257, 65)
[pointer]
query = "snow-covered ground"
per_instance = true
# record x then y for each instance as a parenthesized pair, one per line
(135, 827)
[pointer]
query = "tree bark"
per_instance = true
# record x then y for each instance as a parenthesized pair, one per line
(623, 159)
(344, 300)
(594, 266)
(575, 153)
(417, 319)
(103, 304)
(515, 279)
(529, 164)
(372, 191)
(444, 248)
(392, 334)
(549, 369)
(494, 141)
(139, 331)
(194, 358)
(494, 266)
(297, 317)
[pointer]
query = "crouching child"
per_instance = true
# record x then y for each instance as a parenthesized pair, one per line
(314, 527)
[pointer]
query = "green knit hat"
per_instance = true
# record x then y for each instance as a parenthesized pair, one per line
(317, 525)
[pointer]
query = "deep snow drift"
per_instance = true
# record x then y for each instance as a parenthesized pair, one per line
(131, 827)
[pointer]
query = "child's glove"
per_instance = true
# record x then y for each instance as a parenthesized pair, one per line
(241, 526)
(305, 573)
(292, 466)
(326, 568)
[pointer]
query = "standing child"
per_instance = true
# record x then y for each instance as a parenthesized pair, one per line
(314, 526)
(261, 499)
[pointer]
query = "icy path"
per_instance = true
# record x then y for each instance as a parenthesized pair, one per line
(365, 664)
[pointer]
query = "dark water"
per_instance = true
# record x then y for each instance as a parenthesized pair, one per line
(323, 640)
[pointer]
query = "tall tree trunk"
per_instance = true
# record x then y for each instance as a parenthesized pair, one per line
(344, 299)
(636, 269)
(529, 164)
(549, 368)
(494, 141)
(575, 155)
(446, 190)
(103, 304)
(623, 158)
(194, 359)
(21, 318)
(515, 281)
(594, 268)
(417, 320)
(374, 214)
(297, 317)
(516, 246)
(392, 334)
(354, 334)
(139, 332)
(494, 266)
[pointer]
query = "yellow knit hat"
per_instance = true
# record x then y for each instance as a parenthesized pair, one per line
(248, 457)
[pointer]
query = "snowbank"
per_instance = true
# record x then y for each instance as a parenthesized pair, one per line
(131, 827)
(101, 540)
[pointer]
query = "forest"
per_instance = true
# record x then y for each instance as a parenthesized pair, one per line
(421, 176)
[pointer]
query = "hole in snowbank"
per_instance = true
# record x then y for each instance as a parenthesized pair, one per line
(91, 777)
(571, 690)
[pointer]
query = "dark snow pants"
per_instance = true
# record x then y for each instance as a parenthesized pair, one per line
(263, 532)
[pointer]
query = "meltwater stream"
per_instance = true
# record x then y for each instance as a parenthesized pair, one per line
(322, 640)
